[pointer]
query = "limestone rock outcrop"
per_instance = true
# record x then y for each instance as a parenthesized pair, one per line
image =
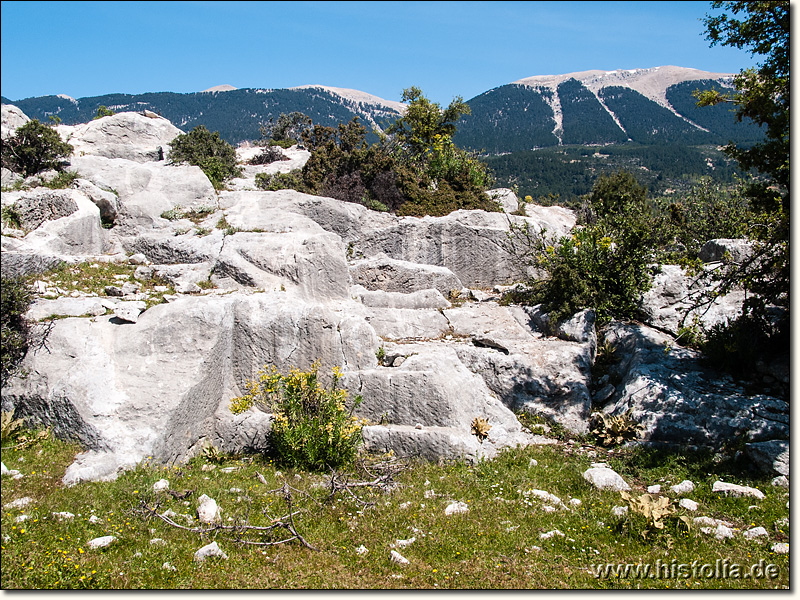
(407, 307)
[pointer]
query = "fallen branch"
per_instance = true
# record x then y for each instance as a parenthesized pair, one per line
(242, 529)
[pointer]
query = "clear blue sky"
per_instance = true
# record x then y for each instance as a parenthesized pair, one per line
(447, 49)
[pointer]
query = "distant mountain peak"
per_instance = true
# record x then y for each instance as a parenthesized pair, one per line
(221, 88)
(357, 96)
(651, 83)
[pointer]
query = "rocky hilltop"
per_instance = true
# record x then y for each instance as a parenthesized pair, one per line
(213, 286)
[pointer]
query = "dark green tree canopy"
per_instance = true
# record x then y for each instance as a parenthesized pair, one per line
(208, 151)
(34, 148)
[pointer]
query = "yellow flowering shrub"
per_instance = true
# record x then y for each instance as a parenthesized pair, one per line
(312, 426)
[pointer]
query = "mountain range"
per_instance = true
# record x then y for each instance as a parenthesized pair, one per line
(645, 106)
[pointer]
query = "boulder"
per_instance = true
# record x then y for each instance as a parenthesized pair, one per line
(668, 304)
(770, 456)
(159, 388)
(145, 191)
(391, 275)
(126, 135)
(736, 250)
(679, 401)
(506, 198)
(11, 118)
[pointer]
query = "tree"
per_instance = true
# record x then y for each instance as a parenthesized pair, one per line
(287, 129)
(34, 148)
(424, 122)
(103, 111)
(762, 95)
(201, 148)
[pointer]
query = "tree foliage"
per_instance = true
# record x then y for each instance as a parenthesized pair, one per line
(761, 94)
(34, 148)
(206, 150)
(604, 264)
(414, 169)
(287, 129)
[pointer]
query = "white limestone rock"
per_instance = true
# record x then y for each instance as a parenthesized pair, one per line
(604, 478)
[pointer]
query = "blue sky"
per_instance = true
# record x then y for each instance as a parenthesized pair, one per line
(447, 49)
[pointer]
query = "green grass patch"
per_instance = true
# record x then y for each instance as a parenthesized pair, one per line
(496, 545)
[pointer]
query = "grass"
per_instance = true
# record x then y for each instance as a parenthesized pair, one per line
(92, 278)
(496, 545)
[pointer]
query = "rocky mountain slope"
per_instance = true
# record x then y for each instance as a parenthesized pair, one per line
(207, 288)
(647, 106)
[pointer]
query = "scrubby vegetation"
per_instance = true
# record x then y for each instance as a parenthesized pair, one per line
(415, 169)
(206, 150)
(16, 330)
(313, 427)
(34, 148)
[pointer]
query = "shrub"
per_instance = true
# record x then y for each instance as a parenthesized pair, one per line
(312, 426)
(206, 150)
(605, 264)
(15, 329)
(103, 111)
(268, 155)
(415, 171)
(34, 148)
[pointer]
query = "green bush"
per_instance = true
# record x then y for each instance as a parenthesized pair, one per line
(15, 298)
(416, 170)
(312, 426)
(605, 264)
(34, 148)
(103, 111)
(201, 148)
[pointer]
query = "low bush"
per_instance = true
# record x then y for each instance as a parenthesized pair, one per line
(268, 155)
(201, 148)
(313, 427)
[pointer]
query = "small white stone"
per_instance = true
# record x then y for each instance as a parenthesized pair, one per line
(684, 487)
(722, 532)
(550, 534)
(212, 550)
(620, 511)
(430, 494)
(781, 481)
(455, 508)
(207, 510)
(21, 519)
(168, 567)
(755, 532)
(731, 489)
(533, 463)
(575, 501)
(398, 558)
(161, 485)
(19, 502)
(101, 542)
(780, 548)
(404, 543)
(94, 519)
(654, 489)
(64, 516)
(688, 504)
(362, 549)
(157, 542)
(548, 509)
